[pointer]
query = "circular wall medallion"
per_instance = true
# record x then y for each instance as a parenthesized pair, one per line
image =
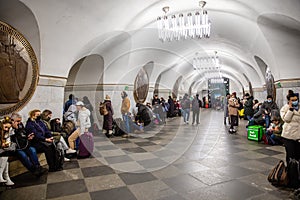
(141, 86)
(18, 70)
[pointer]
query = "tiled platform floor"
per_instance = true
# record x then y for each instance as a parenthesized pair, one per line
(174, 161)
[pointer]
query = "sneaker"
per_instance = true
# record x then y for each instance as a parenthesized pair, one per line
(66, 159)
(69, 151)
(230, 131)
(233, 130)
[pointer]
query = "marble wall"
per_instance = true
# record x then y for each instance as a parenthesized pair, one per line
(49, 94)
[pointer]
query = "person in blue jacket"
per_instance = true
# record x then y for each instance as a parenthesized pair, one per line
(43, 139)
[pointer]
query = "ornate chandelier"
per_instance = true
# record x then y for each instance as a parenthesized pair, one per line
(208, 65)
(181, 27)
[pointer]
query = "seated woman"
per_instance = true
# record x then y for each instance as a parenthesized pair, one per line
(43, 139)
(24, 151)
(83, 123)
(5, 145)
(58, 139)
(273, 133)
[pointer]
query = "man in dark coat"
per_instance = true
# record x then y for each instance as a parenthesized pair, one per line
(268, 107)
(143, 114)
(108, 119)
(248, 106)
(196, 104)
(171, 107)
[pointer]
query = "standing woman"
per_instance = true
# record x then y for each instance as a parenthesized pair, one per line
(5, 143)
(83, 123)
(290, 114)
(108, 119)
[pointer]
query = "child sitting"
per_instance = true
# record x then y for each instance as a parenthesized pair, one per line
(273, 134)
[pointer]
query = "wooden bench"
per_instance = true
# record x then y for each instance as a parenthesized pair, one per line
(17, 168)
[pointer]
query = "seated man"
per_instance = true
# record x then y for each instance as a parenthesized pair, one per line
(25, 152)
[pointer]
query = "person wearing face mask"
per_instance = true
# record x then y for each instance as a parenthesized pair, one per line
(290, 114)
(58, 139)
(43, 139)
(269, 107)
(24, 151)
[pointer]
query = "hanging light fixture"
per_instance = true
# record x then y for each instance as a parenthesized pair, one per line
(208, 65)
(176, 28)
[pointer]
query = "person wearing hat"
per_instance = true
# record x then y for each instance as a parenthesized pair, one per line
(108, 119)
(83, 123)
(233, 113)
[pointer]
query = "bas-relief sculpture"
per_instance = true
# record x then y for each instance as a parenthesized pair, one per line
(18, 70)
(141, 86)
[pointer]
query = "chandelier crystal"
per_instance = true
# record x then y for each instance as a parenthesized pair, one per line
(180, 27)
(209, 66)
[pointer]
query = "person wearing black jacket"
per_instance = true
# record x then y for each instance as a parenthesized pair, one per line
(43, 140)
(248, 106)
(269, 107)
(143, 114)
(24, 151)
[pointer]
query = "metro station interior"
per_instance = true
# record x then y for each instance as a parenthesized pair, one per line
(99, 48)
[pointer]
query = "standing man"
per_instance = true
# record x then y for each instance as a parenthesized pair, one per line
(196, 105)
(226, 108)
(186, 103)
(248, 106)
(233, 106)
(125, 111)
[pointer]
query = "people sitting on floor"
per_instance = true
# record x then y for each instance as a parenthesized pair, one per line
(24, 151)
(269, 108)
(43, 139)
(273, 133)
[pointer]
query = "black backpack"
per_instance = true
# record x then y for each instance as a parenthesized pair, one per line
(293, 173)
(118, 127)
(59, 157)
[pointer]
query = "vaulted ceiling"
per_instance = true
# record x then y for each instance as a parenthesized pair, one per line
(124, 34)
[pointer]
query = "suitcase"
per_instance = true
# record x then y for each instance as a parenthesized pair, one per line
(86, 145)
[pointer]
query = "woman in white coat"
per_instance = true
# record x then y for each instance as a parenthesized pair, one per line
(83, 124)
(290, 114)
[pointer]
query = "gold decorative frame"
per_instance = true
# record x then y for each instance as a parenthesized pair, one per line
(17, 48)
(141, 86)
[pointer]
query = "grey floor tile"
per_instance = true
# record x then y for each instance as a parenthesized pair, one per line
(23, 193)
(104, 182)
(118, 159)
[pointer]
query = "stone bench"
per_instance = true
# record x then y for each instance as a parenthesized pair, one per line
(17, 168)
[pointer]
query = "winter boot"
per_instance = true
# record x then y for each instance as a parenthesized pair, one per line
(3, 161)
(6, 176)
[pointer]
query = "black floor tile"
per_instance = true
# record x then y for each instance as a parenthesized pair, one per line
(142, 144)
(114, 194)
(73, 164)
(97, 171)
(118, 159)
(135, 150)
(66, 188)
(134, 178)
(268, 152)
(27, 179)
(269, 160)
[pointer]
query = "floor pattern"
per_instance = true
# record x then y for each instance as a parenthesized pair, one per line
(174, 161)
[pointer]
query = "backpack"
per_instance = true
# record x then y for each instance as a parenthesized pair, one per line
(118, 127)
(59, 156)
(278, 175)
(103, 109)
(293, 173)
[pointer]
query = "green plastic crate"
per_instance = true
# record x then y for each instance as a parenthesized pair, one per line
(255, 133)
